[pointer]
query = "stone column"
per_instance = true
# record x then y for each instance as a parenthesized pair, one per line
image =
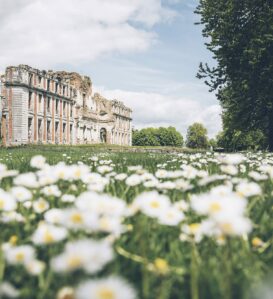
(67, 123)
(61, 122)
(35, 115)
(53, 120)
(45, 120)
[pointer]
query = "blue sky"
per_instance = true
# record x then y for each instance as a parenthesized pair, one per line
(172, 59)
(143, 52)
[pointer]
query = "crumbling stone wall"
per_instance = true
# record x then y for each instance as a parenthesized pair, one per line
(59, 107)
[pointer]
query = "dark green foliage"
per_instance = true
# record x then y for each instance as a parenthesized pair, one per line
(157, 137)
(237, 140)
(213, 143)
(240, 36)
(197, 136)
(145, 137)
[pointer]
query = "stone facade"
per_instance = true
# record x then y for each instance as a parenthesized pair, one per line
(60, 108)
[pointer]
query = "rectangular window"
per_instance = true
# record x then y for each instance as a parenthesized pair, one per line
(30, 100)
(71, 132)
(84, 100)
(48, 130)
(64, 107)
(48, 84)
(57, 106)
(57, 132)
(40, 130)
(30, 78)
(48, 104)
(40, 103)
(56, 87)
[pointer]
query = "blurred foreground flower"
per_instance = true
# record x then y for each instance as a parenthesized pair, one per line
(107, 288)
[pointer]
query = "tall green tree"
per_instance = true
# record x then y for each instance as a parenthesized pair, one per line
(240, 36)
(169, 137)
(197, 136)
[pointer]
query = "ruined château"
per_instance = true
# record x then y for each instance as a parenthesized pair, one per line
(59, 107)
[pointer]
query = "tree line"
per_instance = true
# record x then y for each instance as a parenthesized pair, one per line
(197, 137)
(239, 34)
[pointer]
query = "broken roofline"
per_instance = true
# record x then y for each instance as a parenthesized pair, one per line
(64, 78)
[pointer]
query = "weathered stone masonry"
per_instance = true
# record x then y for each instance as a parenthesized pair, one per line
(59, 107)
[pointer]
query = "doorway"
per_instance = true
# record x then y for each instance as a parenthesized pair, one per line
(103, 135)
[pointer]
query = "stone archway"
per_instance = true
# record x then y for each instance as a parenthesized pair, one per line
(103, 135)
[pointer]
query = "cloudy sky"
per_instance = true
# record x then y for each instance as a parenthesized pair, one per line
(143, 52)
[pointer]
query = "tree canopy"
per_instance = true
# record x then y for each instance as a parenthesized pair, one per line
(197, 136)
(240, 36)
(157, 137)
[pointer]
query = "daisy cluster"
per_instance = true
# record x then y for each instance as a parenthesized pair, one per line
(68, 227)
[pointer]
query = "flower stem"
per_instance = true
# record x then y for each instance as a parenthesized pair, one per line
(2, 264)
(125, 192)
(145, 283)
(165, 288)
(227, 265)
(194, 273)
(44, 284)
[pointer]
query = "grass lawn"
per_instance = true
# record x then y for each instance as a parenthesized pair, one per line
(103, 222)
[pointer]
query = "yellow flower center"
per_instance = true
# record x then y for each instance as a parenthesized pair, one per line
(77, 173)
(74, 262)
(194, 227)
(154, 204)
(215, 207)
(48, 237)
(13, 240)
(130, 227)
(2, 203)
(41, 205)
(19, 256)
(61, 174)
(227, 228)
(76, 218)
(257, 242)
(106, 293)
(161, 265)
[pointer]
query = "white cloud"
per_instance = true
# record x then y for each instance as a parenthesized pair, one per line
(154, 110)
(46, 33)
(50, 33)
